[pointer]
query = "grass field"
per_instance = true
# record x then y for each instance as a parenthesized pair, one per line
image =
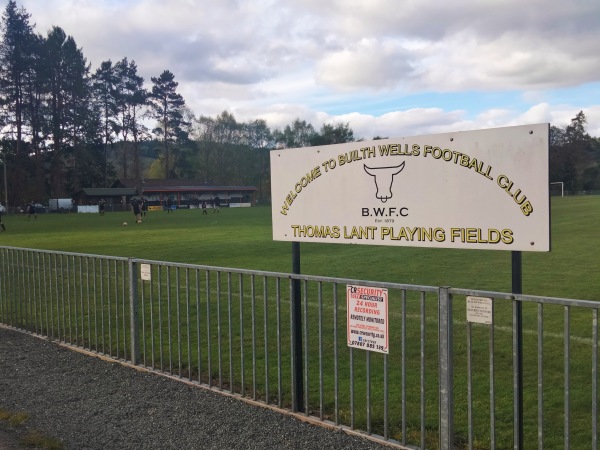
(242, 238)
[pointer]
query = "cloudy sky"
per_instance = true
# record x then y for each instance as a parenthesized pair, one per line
(387, 67)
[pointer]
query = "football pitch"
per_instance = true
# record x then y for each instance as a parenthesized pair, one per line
(242, 238)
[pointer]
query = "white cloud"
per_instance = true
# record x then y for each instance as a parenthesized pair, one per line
(368, 64)
(336, 60)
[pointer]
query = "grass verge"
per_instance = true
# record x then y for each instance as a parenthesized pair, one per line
(30, 438)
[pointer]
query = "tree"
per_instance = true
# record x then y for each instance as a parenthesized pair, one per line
(104, 83)
(69, 100)
(17, 62)
(204, 135)
(231, 152)
(226, 138)
(219, 142)
(36, 91)
(571, 154)
(338, 133)
(575, 133)
(131, 97)
(167, 108)
(298, 134)
(302, 134)
(184, 166)
(260, 141)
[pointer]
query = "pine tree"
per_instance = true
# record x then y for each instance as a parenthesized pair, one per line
(167, 109)
(104, 83)
(131, 97)
(17, 62)
(69, 103)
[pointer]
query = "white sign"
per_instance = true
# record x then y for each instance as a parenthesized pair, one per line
(87, 209)
(145, 272)
(367, 318)
(484, 189)
(479, 309)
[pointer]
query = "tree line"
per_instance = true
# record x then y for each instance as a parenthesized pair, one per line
(65, 128)
(575, 156)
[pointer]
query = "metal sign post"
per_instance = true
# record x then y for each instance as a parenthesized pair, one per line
(517, 288)
(296, 306)
(486, 190)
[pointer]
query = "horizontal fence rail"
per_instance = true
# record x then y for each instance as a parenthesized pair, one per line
(446, 382)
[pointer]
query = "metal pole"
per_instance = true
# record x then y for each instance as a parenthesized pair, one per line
(446, 372)
(296, 305)
(133, 305)
(517, 288)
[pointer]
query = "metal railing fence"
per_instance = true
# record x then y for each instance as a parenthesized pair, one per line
(446, 382)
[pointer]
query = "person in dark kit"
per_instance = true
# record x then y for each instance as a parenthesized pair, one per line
(216, 204)
(136, 207)
(31, 211)
(2, 211)
(169, 203)
(101, 206)
(144, 207)
(204, 207)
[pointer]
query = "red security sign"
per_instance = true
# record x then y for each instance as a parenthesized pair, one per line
(367, 318)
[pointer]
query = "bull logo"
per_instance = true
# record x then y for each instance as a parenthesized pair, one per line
(384, 177)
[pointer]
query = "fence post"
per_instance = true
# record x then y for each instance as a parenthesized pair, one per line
(133, 310)
(446, 361)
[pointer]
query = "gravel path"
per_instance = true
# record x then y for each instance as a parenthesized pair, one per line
(89, 403)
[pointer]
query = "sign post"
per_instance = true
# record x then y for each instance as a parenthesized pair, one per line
(482, 189)
(296, 305)
(517, 288)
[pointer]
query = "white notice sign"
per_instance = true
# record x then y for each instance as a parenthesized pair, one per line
(479, 309)
(145, 272)
(367, 318)
(482, 189)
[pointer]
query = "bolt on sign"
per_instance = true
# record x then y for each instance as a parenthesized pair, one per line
(145, 272)
(367, 318)
(482, 189)
(480, 310)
